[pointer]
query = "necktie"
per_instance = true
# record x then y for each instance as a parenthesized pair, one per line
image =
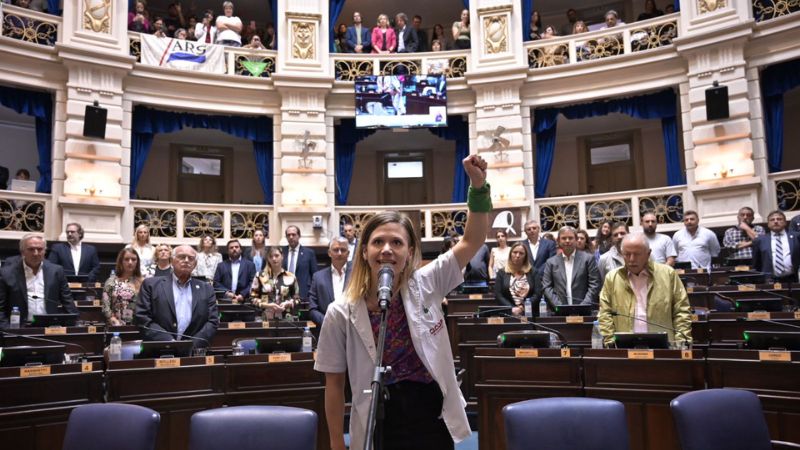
(780, 269)
(208, 34)
(292, 261)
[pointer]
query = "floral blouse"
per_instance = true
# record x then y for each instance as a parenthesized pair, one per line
(265, 288)
(207, 265)
(119, 299)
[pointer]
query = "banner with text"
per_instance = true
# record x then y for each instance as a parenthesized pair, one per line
(183, 55)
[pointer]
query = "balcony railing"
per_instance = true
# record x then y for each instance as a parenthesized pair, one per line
(191, 221)
(238, 61)
(435, 221)
(22, 212)
(787, 190)
(588, 212)
(29, 26)
(622, 40)
(348, 66)
(770, 9)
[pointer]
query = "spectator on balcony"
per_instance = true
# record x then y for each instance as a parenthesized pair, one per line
(407, 39)
(572, 19)
(580, 27)
(549, 32)
(650, 11)
(358, 36)
(535, 32)
(439, 35)
(612, 20)
(270, 38)
(255, 43)
(257, 252)
(190, 30)
(250, 30)
(436, 46)
(384, 39)
(460, 30)
(141, 243)
(340, 39)
(22, 174)
(180, 33)
(175, 18)
(416, 22)
(602, 241)
(206, 31)
(159, 30)
(229, 27)
(208, 258)
(139, 18)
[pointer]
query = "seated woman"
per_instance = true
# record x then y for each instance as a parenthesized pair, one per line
(275, 290)
(162, 265)
(517, 281)
(207, 258)
(121, 290)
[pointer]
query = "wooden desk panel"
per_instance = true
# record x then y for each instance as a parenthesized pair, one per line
(225, 335)
(729, 327)
(93, 341)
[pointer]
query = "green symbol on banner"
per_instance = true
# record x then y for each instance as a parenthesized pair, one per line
(255, 67)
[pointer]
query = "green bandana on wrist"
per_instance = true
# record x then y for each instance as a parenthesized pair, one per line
(480, 199)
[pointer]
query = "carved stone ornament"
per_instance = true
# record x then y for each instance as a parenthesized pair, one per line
(496, 34)
(303, 40)
(97, 16)
(706, 6)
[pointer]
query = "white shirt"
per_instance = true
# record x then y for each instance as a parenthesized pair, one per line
(569, 262)
(661, 248)
(698, 248)
(534, 249)
(292, 263)
(401, 44)
(35, 285)
(346, 343)
(787, 256)
(200, 33)
(228, 34)
(352, 247)
(337, 278)
(609, 261)
(235, 273)
(75, 250)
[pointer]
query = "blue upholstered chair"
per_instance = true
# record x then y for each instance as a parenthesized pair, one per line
(254, 428)
(120, 426)
(723, 419)
(564, 423)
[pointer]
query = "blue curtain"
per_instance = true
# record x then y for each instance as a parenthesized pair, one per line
(148, 122)
(466, 4)
(660, 105)
(527, 10)
(776, 80)
(457, 129)
(54, 7)
(345, 138)
(336, 7)
(40, 106)
(677, 5)
(273, 4)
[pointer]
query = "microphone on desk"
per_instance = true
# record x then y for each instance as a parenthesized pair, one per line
(686, 339)
(282, 320)
(52, 341)
(564, 342)
(175, 334)
(480, 314)
(745, 319)
(786, 297)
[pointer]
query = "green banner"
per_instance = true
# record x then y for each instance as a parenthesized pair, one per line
(256, 68)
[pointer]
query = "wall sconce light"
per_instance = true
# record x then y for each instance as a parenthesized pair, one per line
(92, 190)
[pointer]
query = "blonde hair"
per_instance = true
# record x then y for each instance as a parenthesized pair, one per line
(360, 283)
(526, 267)
(136, 231)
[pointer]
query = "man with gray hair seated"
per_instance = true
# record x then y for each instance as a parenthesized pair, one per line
(570, 278)
(328, 284)
(644, 291)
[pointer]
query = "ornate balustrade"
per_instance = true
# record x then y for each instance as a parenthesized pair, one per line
(787, 190)
(348, 66)
(434, 222)
(622, 40)
(588, 212)
(29, 26)
(770, 9)
(238, 61)
(22, 213)
(190, 221)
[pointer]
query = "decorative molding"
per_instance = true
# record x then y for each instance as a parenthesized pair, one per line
(97, 16)
(303, 16)
(495, 9)
(303, 38)
(707, 6)
(495, 34)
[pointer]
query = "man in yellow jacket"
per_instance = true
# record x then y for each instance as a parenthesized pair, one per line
(644, 291)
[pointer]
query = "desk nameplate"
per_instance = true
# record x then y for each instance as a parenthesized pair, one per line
(526, 353)
(574, 319)
(641, 354)
(778, 356)
(55, 330)
(162, 363)
(759, 315)
(36, 371)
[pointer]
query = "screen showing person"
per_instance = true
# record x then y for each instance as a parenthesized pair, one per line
(393, 101)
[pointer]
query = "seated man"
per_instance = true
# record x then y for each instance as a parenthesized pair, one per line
(235, 274)
(777, 253)
(570, 278)
(33, 285)
(76, 257)
(177, 307)
(327, 285)
(644, 291)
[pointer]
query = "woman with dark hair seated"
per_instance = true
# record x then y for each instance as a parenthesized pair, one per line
(517, 281)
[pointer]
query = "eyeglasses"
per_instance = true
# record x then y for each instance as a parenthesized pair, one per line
(340, 250)
(185, 257)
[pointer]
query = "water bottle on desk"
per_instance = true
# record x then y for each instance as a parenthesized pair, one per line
(307, 340)
(15, 317)
(528, 308)
(597, 338)
(543, 309)
(115, 348)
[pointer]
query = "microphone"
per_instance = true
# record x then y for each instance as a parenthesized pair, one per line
(479, 314)
(180, 335)
(385, 285)
(775, 322)
(52, 341)
(785, 297)
(685, 338)
(564, 342)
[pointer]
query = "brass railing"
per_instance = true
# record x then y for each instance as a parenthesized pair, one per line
(348, 66)
(22, 212)
(435, 221)
(29, 26)
(190, 221)
(770, 9)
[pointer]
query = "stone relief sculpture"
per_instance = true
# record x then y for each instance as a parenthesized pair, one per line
(496, 34)
(706, 6)
(303, 45)
(97, 16)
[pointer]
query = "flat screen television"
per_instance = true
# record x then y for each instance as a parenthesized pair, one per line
(401, 101)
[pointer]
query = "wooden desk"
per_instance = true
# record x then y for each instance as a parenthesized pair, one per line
(729, 327)
(253, 380)
(34, 410)
(90, 310)
(92, 338)
(502, 378)
(230, 331)
(463, 308)
(777, 384)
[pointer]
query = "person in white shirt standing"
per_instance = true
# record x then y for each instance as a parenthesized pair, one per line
(662, 250)
(206, 31)
(229, 27)
(694, 243)
(76, 257)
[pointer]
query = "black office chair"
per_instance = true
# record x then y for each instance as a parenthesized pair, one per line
(566, 422)
(723, 419)
(120, 426)
(254, 428)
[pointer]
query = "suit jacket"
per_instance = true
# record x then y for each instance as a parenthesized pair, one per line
(502, 287)
(90, 264)
(762, 252)
(156, 310)
(410, 40)
(424, 42)
(321, 293)
(350, 38)
(14, 291)
(377, 39)
(223, 277)
(305, 267)
(547, 249)
(585, 280)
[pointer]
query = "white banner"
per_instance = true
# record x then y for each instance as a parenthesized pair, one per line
(183, 55)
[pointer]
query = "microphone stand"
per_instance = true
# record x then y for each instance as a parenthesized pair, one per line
(377, 394)
(52, 341)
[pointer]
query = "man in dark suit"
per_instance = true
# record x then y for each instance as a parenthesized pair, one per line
(235, 274)
(777, 253)
(74, 251)
(539, 250)
(407, 39)
(177, 307)
(33, 285)
(300, 261)
(358, 38)
(571, 278)
(422, 36)
(328, 284)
